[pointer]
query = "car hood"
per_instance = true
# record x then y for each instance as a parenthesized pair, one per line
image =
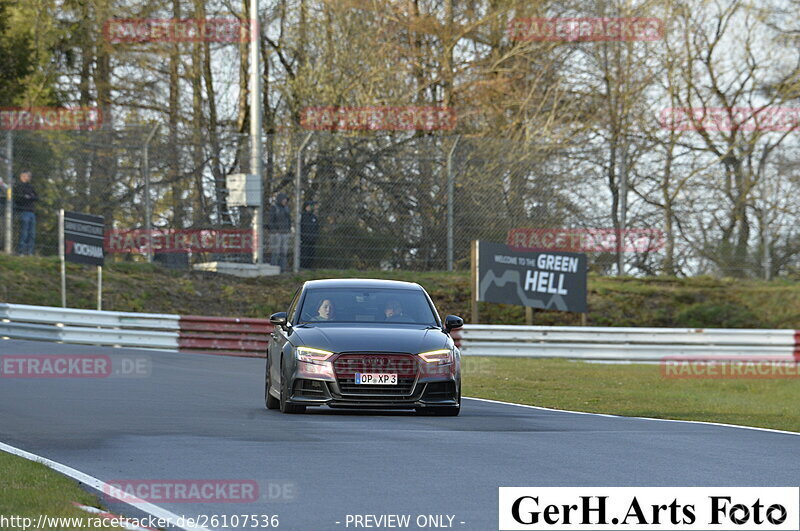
(342, 338)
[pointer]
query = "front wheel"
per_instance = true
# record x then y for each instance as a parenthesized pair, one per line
(286, 407)
(270, 401)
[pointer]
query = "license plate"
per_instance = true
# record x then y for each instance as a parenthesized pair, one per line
(373, 378)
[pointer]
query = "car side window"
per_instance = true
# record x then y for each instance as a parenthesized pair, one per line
(293, 306)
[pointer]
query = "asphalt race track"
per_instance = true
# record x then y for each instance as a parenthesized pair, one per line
(202, 417)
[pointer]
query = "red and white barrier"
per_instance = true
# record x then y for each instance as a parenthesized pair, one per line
(229, 336)
(797, 346)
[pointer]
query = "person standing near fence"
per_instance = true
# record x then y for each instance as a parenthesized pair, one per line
(25, 198)
(3, 191)
(279, 225)
(309, 232)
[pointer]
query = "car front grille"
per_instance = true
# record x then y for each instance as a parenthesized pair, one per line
(347, 365)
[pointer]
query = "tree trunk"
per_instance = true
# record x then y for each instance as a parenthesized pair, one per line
(85, 98)
(669, 244)
(198, 198)
(178, 211)
(220, 207)
(103, 173)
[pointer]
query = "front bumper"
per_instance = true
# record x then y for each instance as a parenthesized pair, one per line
(419, 384)
(434, 393)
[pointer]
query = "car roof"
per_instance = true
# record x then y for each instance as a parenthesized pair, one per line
(361, 283)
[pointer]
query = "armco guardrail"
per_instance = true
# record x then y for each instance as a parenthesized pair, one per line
(210, 335)
(634, 344)
(89, 327)
(249, 337)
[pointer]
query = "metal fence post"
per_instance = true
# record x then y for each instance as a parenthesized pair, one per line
(623, 207)
(256, 155)
(450, 186)
(297, 198)
(9, 247)
(147, 208)
(62, 258)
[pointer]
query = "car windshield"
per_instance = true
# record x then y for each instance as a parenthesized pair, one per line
(367, 305)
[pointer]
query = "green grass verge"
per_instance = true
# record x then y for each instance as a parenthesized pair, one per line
(633, 390)
(660, 301)
(29, 489)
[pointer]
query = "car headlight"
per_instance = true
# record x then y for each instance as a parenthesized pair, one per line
(311, 355)
(440, 357)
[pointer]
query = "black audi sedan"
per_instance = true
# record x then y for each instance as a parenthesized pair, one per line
(357, 343)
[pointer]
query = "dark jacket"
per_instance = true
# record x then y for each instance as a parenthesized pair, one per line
(309, 226)
(279, 219)
(24, 197)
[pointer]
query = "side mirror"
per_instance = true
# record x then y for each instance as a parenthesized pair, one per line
(278, 319)
(451, 322)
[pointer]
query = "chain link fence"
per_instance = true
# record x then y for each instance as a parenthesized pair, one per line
(381, 201)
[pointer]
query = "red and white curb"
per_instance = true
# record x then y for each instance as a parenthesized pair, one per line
(121, 521)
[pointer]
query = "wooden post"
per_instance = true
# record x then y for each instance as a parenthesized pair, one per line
(99, 288)
(528, 315)
(474, 281)
(584, 318)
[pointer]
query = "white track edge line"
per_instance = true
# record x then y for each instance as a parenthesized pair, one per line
(754, 428)
(100, 486)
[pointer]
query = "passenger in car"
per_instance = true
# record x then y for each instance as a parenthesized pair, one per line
(393, 310)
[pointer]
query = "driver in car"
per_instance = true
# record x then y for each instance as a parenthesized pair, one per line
(324, 311)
